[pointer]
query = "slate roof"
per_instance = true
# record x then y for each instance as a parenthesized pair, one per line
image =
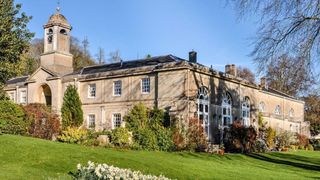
(130, 64)
(17, 80)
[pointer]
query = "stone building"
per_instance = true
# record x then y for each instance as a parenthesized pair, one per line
(184, 88)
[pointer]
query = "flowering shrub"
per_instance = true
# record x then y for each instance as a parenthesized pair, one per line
(104, 171)
(120, 137)
(196, 137)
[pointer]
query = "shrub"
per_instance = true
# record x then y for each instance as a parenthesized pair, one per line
(12, 118)
(71, 111)
(260, 146)
(43, 123)
(315, 143)
(120, 137)
(240, 138)
(164, 138)
(302, 140)
(149, 128)
(146, 139)
(73, 135)
(178, 141)
(309, 147)
(285, 139)
(270, 137)
(104, 171)
(196, 137)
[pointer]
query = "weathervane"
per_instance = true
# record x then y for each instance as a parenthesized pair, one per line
(58, 7)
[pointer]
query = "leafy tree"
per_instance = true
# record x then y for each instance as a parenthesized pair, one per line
(286, 27)
(71, 111)
(14, 37)
(246, 73)
(312, 112)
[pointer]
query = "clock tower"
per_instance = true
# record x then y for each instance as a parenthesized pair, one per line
(56, 56)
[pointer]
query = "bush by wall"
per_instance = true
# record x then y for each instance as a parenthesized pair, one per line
(43, 122)
(12, 118)
(239, 138)
(196, 138)
(149, 128)
(121, 137)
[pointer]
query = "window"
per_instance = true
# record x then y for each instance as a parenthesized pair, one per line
(297, 129)
(226, 109)
(23, 96)
(50, 36)
(63, 31)
(92, 90)
(145, 85)
(116, 118)
(246, 111)
(12, 96)
(117, 88)
(277, 111)
(203, 108)
(262, 107)
(91, 121)
(291, 113)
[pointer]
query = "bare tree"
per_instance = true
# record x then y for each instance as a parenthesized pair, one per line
(289, 75)
(246, 73)
(287, 27)
(114, 57)
(100, 56)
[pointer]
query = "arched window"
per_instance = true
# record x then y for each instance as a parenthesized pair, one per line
(246, 111)
(291, 113)
(277, 111)
(203, 108)
(63, 31)
(261, 107)
(226, 109)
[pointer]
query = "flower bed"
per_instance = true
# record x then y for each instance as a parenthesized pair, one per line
(104, 171)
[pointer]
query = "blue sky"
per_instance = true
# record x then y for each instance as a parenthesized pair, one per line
(140, 27)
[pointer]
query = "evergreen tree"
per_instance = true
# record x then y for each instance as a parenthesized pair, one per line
(14, 38)
(71, 111)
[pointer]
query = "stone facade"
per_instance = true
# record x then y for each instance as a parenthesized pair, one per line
(184, 88)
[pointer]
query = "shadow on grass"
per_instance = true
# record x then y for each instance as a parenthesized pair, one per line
(308, 160)
(285, 161)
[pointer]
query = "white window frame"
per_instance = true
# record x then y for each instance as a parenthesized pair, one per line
(90, 87)
(203, 101)
(12, 96)
(114, 116)
(23, 99)
(117, 91)
(143, 86)
(88, 120)
(245, 107)
(227, 105)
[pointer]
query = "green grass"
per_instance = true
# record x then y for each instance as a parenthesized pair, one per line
(29, 158)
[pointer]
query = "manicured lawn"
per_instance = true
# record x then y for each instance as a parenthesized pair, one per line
(29, 158)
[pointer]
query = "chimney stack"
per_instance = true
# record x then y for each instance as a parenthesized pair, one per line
(263, 83)
(193, 56)
(231, 69)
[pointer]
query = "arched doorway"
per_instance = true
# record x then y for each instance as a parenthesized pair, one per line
(45, 95)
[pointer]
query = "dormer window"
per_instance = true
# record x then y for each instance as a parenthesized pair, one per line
(63, 31)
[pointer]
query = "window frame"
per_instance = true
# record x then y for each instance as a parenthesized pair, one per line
(245, 111)
(142, 85)
(89, 91)
(203, 108)
(94, 122)
(226, 105)
(277, 110)
(114, 120)
(114, 88)
(22, 97)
